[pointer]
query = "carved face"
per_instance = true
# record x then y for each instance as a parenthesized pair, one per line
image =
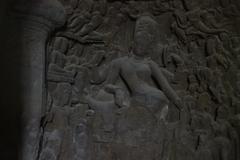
(144, 35)
(81, 128)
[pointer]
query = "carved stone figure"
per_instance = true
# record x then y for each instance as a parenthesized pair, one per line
(138, 69)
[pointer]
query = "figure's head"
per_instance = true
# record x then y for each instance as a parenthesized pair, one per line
(81, 128)
(145, 35)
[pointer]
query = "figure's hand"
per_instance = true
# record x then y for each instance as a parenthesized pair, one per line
(151, 63)
(179, 104)
(224, 31)
(90, 112)
(121, 110)
(111, 88)
(84, 98)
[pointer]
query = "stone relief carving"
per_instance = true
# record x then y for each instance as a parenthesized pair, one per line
(143, 80)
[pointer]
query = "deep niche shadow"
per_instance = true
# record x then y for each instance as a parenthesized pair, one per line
(10, 95)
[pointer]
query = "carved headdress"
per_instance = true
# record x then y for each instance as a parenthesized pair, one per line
(146, 21)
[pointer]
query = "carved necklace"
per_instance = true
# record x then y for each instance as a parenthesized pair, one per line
(139, 59)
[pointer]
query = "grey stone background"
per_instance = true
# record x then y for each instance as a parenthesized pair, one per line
(56, 104)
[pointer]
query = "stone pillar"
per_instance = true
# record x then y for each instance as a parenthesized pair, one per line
(37, 20)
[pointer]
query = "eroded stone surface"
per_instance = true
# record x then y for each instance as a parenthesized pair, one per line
(144, 80)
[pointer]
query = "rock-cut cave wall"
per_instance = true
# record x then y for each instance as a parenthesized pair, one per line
(131, 80)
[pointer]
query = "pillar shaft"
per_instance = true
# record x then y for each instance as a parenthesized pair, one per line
(32, 85)
(37, 19)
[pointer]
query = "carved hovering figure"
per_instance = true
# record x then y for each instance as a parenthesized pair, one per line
(62, 64)
(57, 58)
(83, 23)
(191, 23)
(194, 18)
(217, 54)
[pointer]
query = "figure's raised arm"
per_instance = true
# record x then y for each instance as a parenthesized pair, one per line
(113, 72)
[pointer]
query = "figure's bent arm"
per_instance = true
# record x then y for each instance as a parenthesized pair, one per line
(169, 75)
(164, 84)
(113, 73)
(107, 74)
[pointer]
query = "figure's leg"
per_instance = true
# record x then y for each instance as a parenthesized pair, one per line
(120, 95)
(161, 115)
(164, 113)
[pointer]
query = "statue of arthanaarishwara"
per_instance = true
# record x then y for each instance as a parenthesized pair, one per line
(145, 81)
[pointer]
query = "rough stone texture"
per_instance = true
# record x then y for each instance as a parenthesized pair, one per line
(133, 80)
